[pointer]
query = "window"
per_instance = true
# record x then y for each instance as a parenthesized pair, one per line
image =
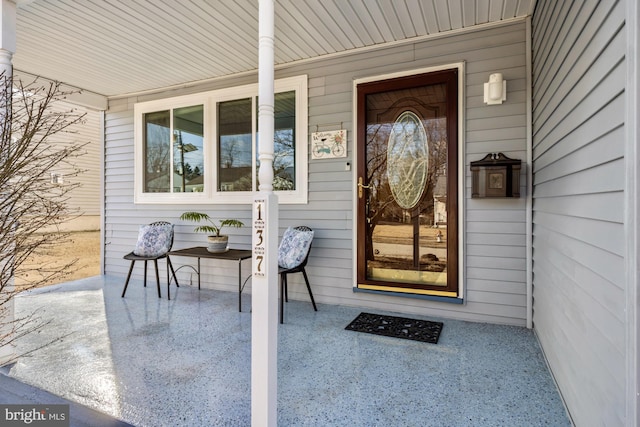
(235, 145)
(173, 150)
(204, 148)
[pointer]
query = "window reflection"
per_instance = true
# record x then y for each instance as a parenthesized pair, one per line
(235, 169)
(234, 145)
(156, 152)
(284, 137)
(188, 154)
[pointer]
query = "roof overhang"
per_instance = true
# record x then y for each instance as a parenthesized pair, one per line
(121, 48)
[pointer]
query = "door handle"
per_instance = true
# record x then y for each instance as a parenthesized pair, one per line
(360, 187)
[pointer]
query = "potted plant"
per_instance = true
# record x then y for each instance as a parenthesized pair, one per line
(217, 242)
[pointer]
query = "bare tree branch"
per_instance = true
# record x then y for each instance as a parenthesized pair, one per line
(36, 139)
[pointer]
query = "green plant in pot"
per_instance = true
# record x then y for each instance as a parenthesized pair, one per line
(217, 242)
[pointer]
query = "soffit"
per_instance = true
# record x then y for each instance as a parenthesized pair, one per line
(116, 47)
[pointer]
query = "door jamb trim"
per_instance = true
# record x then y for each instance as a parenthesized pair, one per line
(461, 166)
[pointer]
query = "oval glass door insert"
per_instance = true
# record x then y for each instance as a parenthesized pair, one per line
(407, 159)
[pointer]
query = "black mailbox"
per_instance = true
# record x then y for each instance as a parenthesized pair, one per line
(495, 175)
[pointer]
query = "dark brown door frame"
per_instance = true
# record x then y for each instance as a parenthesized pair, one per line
(451, 78)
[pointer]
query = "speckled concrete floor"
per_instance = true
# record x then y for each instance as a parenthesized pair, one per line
(185, 362)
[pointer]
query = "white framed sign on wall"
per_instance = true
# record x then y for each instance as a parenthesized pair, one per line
(329, 144)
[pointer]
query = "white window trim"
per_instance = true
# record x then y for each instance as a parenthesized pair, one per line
(209, 101)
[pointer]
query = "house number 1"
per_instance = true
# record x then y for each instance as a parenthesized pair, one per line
(259, 266)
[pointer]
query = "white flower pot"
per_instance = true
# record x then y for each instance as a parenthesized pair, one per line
(217, 244)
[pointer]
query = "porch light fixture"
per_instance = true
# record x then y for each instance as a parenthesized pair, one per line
(495, 91)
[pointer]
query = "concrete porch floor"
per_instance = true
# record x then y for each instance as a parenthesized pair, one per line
(186, 362)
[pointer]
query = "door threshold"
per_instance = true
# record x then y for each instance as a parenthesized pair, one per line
(429, 297)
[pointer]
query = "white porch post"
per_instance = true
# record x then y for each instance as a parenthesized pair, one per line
(7, 49)
(264, 316)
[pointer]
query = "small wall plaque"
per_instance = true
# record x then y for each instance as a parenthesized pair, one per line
(496, 175)
(329, 144)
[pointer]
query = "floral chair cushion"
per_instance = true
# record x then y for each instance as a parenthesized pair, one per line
(294, 247)
(154, 240)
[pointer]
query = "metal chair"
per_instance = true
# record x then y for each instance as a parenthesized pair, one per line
(164, 253)
(283, 272)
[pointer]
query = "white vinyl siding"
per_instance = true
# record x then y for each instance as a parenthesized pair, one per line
(87, 197)
(494, 232)
(84, 202)
(578, 218)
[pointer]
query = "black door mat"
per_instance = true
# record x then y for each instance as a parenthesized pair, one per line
(398, 327)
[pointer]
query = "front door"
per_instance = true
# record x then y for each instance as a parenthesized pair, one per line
(407, 184)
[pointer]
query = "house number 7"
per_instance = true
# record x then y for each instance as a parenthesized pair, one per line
(259, 258)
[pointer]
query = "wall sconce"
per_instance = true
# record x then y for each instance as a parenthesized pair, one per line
(495, 91)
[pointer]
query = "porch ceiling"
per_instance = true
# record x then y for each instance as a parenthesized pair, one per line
(118, 47)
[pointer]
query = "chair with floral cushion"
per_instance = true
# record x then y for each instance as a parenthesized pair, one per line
(293, 254)
(154, 242)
